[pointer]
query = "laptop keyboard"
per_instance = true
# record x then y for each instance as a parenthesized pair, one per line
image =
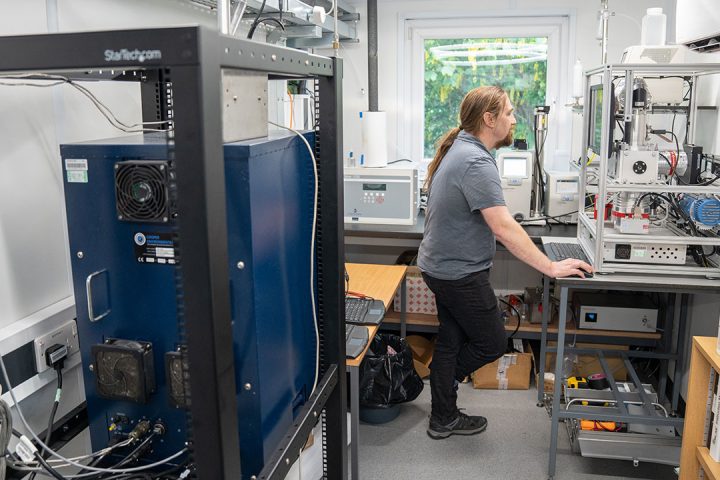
(562, 251)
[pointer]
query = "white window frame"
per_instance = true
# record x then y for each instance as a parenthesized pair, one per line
(557, 26)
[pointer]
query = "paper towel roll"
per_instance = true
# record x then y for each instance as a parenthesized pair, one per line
(374, 139)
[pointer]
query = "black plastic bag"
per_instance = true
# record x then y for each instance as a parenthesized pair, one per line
(386, 378)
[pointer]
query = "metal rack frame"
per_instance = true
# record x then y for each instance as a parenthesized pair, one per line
(668, 352)
(593, 233)
(191, 59)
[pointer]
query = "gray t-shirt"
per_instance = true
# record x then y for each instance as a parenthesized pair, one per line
(457, 241)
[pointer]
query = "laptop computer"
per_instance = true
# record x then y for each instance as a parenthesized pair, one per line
(561, 248)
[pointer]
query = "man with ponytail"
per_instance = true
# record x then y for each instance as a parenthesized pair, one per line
(466, 214)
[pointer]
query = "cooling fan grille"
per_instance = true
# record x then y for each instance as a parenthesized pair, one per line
(142, 191)
(124, 370)
(175, 368)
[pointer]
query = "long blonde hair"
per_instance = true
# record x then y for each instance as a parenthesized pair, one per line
(476, 103)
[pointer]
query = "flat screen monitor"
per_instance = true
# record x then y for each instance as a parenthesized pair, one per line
(514, 167)
(597, 120)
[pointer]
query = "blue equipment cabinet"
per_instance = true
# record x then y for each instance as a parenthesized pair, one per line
(125, 258)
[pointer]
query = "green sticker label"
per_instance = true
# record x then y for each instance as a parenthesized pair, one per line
(77, 176)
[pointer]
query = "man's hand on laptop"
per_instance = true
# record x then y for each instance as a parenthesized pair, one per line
(569, 267)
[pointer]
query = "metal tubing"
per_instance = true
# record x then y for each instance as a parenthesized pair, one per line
(627, 402)
(693, 111)
(630, 353)
(554, 423)
(611, 381)
(372, 56)
(646, 400)
(543, 339)
(679, 363)
(580, 412)
(666, 345)
(605, 13)
(223, 16)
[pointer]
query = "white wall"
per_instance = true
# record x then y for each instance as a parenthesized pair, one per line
(624, 31)
(34, 261)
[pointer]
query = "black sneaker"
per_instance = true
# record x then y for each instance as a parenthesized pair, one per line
(462, 425)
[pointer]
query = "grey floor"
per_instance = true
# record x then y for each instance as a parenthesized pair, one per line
(515, 445)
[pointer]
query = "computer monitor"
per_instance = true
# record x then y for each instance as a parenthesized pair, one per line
(596, 119)
(514, 166)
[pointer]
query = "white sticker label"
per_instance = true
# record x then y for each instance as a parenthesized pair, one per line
(165, 252)
(76, 164)
(77, 176)
(503, 383)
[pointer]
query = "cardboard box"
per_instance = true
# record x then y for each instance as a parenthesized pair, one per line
(422, 349)
(509, 372)
(586, 365)
(549, 382)
(420, 298)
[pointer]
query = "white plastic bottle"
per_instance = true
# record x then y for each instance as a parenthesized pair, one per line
(578, 80)
(653, 27)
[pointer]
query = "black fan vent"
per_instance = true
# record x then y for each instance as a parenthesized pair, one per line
(175, 368)
(124, 370)
(141, 191)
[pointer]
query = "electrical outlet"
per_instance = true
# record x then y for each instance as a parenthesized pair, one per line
(64, 335)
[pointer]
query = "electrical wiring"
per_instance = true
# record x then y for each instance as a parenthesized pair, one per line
(312, 99)
(5, 435)
(334, 7)
(312, 250)
(60, 464)
(538, 151)
(257, 20)
(48, 468)
(556, 217)
(55, 80)
(265, 20)
(53, 411)
(517, 313)
(711, 181)
(52, 452)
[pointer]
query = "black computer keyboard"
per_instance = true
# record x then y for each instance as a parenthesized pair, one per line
(356, 309)
(562, 251)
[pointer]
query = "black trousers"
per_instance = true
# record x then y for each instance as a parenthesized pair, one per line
(470, 335)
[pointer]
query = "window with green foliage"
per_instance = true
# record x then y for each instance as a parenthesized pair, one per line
(455, 66)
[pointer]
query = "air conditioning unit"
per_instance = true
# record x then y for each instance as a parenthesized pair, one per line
(698, 25)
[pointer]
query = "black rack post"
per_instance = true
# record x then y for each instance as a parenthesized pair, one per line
(191, 58)
(331, 262)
